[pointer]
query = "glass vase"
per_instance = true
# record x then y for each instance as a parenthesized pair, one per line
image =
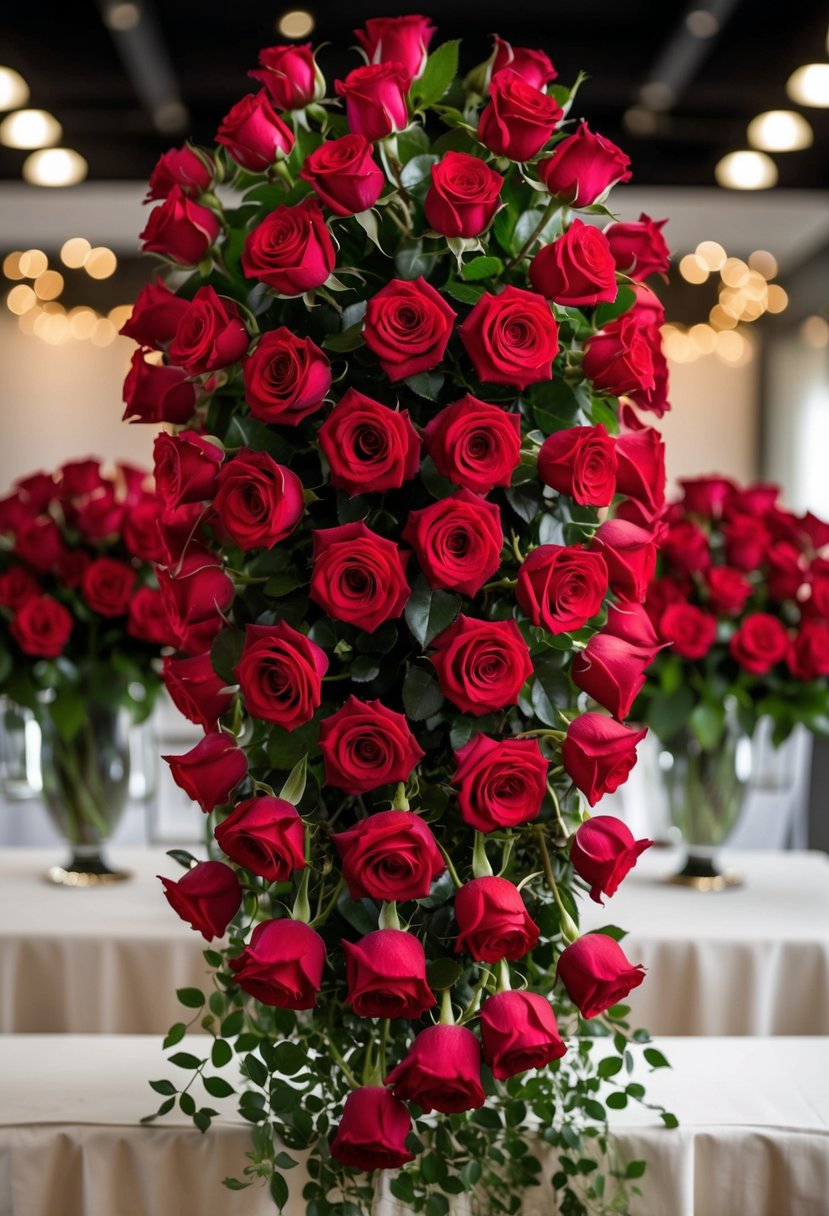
(19, 746)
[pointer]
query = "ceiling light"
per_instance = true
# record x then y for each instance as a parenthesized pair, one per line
(780, 131)
(693, 269)
(30, 129)
(746, 171)
(121, 17)
(100, 263)
(55, 167)
(32, 263)
(296, 23)
(74, 252)
(778, 299)
(14, 92)
(809, 85)
(702, 24)
(763, 262)
(815, 332)
(20, 299)
(657, 95)
(711, 254)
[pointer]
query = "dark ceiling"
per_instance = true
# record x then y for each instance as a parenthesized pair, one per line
(70, 60)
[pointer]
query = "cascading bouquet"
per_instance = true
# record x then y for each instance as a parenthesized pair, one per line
(396, 359)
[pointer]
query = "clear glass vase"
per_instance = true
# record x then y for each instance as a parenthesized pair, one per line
(19, 747)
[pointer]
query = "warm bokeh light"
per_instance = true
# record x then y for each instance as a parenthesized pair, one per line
(100, 263)
(815, 331)
(693, 269)
(778, 298)
(780, 131)
(20, 299)
(296, 23)
(11, 266)
(33, 263)
(746, 171)
(764, 263)
(82, 321)
(711, 254)
(30, 129)
(74, 252)
(733, 347)
(120, 315)
(703, 338)
(103, 332)
(121, 16)
(734, 272)
(48, 285)
(55, 167)
(702, 23)
(720, 319)
(809, 85)
(14, 92)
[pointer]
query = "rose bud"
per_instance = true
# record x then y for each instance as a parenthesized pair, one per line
(474, 444)
(690, 631)
(41, 627)
(580, 461)
(599, 754)
(492, 921)
(500, 782)
(640, 471)
(190, 171)
(747, 541)
(612, 672)
(629, 553)
(511, 338)
(291, 76)
(442, 1071)
(583, 167)
(597, 974)
(639, 248)
(210, 770)
(207, 897)
(808, 657)
(147, 618)
(561, 586)
(17, 586)
(603, 852)
(265, 835)
(518, 1032)
(463, 196)
(186, 467)
(533, 67)
(107, 586)
(706, 496)
(286, 378)
(375, 100)
(372, 1132)
(618, 359)
(365, 745)
(685, 548)
(728, 590)
(519, 118)
(195, 689)
(282, 964)
(457, 541)
(481, 665)
(291, 250)
(254, 134)
(180, 229)
(577, 269)
(631, 622)
(401, 40)
(195, 596)
(761, 642)
(258, 501)
(386, 973)
(280, 673)
(369, 447)
(344, 174)
(40, 545)
(358, 576)
(155, 315)
(157, 394)
(407, 326)
(210, 335)
(389, 856)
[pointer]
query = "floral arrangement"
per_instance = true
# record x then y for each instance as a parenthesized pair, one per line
(395, 359)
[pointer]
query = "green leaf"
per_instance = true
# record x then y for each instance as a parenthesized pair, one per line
(202, 1120)
(411, 142)
(707, 721)
(226, 652)
(617, 1100)
(440, 70)
(218, 1087)
(256, 1070)
(668, 1119)
(429, 612)
(402, 1187)
(174, 1035)
(193, 998)
(411, 262)
(185, 859)
(482, 268)
(625, 299)
(635, 1169)
(163, 1087)
(233, 1184)
(668, 714)
(294, 787)
(466, 293)
(443, 973)
(364, 669)
(68, 711)
(233, 1024)
(421, 694)
(187, 1105)
(655, 1058)
(221, 1054)
(284, 1161)
(279, 1190)
(418, 172)
(594, 1110)
(350, 339)
(426, 384)
(609, 1067)
(288, 1059)
(361, 914)
(184, 1059)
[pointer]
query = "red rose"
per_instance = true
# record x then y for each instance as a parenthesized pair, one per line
(808, 656)
(157, 394)
(280, 673)
(639, 248)
(180, 532)
(282, 964)
(519, 118)
(195, 689)
(786, 570)
(210, 335)
(576, 269)
(599, 754)
(686, 548)
(758, 499)
(401, 40)
(518, 1032)
(186, 467)
(463, 196)
(648, 310)
(258, 501)
(534, 67)
(210, 770)
(194, 597)
(375, 100)
(190, 171)
(618, 359)
(358, 576)
(286, 378)
(78, 477)
(442, 1071)
(457, 541)
(492, 921)
(344, 174)
(180, 229)
(580, 461)
(140, 529)
(612, 672)
(407, 327)
(747, 541)
(389, 856)
(70, 566)
(481, 665)
(631, 622)
(603, 852)
(291, 250)
(15, 513)
(583, 167)
(706, 496)
(107, 586)
(207, 897)
(386, 973)
(629, 553)
(147, 618)
(17, 586)
(561, 586)
(474, 444)
(365, 745)
(291, 76)
(101, 515)
(511, 338)
(155, 315)
(500, 782)
(41, 627)
(641, 468)
(38, 490)
(690, 631)
(761, 642)
(728, 590)
(40, 544)
(265, 835)
(654, 399)
(372, 1131)
(369, 447)
(817, 530)
(818, 601)
(254, 134)
(597, 974)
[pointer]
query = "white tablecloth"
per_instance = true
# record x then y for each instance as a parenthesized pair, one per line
(753, 1141)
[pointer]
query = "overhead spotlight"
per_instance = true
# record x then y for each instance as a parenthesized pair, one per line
(809, 85)
(780, 131)
(746, 171)
(702, 23)
(121, 16)
(296, 23)
(55, 167)
(657, 95)
(14, 92)
(30, 129)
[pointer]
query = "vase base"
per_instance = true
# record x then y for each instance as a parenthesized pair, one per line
(702, 874)
(90, 872)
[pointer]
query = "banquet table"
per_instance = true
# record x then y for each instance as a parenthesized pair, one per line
(753, 1136)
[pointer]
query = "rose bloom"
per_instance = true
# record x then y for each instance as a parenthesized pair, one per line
(210, 770)
(265, 835)
(747, 541)
(38, 490)
(519, 118)
(107, 585)
(282, 964)
(631, 622)
(532, 66)
(372, 1131)
(706, 496)
(492, 921)
(612, 672)
(407, 326)
(254, 134)
(280, 674)
(463, 196)
(641, 468)
(207, 897)
(761, 642)
(580, 461)
(686, 548)
(181, 532)
(618, 359)
(500, 782)
(577, 269)
(481, 665)
(690, 631)
(140, 529)
(511, 338)
(389, 856)
(41, 627)
(70, 567)
(195, 689)
(599, 754)
(17, 585)
(654, 399)
(518, 1032)
(98, 516)
(639, 248)
(79, 477)
(808, 657)
(457, 541)
(603, 852)
(786, 570)
(290, 250)
(597, 974)
(401, 40)
(286, 378)
(386, 974)
(583, 167)
(369, 447)
(757, 499)
(442, 1071)
(561, 586)
(291, 76)
(194, 597)
(210, 335)
(40, 544)
(375, 100)
(344, 174)
(258, 501)
(186, 467)
(180, 229)
(474, 444)
(157, 394)
(155, 315)
(191, 171)
(358, 576)
(728, 590)
(365, 745)
(629, 553)
(648, 309)
(147, 618)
